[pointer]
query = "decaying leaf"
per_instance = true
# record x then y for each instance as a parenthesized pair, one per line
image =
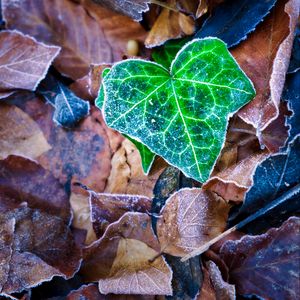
(127, 176)
(266, 265)
(73, 26)
(190, 218)
(19, 134)
(24, 62)
(126, 259)
(169, 25)
(109, 208)
(131, 8)
(264, 57)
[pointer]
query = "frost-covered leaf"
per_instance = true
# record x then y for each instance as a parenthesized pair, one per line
(20, 134)
(131, 8)
(87, 33)
(69, 109)
(189, 219)
(126, 259)
(277, 176)
(266, 265)
(24, 62)
(269, 48)
(295, 57)
(109, 208)
(181, 115)
(147, 156)
(232, 21)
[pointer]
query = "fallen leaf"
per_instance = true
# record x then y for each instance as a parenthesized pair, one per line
(131, 8)
(134, 89)
(207, 291)
(169, 25)
(127, 176)
(24, 62)
(266, 265)
(19, 134)
(275, 176)
(23, 180)
(38, 246)
(73, 26)
(126, 259)
(205, 6)
(69, 109)
(266, 63)
(83, 154)
(189, 219)
(295, 57)
(109, 208)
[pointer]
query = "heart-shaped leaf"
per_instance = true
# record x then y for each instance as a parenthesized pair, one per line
(181, 114)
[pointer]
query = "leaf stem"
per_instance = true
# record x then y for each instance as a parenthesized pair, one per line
(285, 197)
(164, 5)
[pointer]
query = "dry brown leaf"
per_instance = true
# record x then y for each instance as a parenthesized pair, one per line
(264, 57)
(169, 25)
(108, 208)
(19, 134)
(189, 219)
(126, 259)
(205, 6)
(207, 291)
(87, 33)
(23, 61)
(127, 176)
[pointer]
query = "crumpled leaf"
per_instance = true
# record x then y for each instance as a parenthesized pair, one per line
(127, 175)
(266, 265)
(24, 62)
(233, 21)
(126, 259)
(19, 134)
(292, 95)
(73, 26)
(131, 8)
(269, 48)
(274, 177)
(69, 109)
(190, 218)
(169, 25)
(83, 154)
(34, 217)
(109, 208)
(190, 142)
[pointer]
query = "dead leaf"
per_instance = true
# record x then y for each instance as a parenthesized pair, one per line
(19, 134)
(23, 180)
(86, 33)
(207, 291)
(169, 25)
(266, 265)
(82, 154)
(23, 62)
(190, 218)
(109, 208)
(126, 259)
(127, 176)
(264, 57)
(37, 247)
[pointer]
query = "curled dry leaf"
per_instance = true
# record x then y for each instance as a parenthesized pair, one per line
(126, 260)
(127, 176)
(266, 265)
(19, 134)
(73, 26)
(169, 25)
(264, 57)
(36, 242)
(109, 208)
(24, 62)
(190, 218)
(82, 154)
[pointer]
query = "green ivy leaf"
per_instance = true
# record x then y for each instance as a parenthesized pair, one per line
(181, 114)
(147, 156)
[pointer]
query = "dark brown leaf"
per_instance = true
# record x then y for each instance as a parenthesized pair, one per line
(266, 265)
(23, 61)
